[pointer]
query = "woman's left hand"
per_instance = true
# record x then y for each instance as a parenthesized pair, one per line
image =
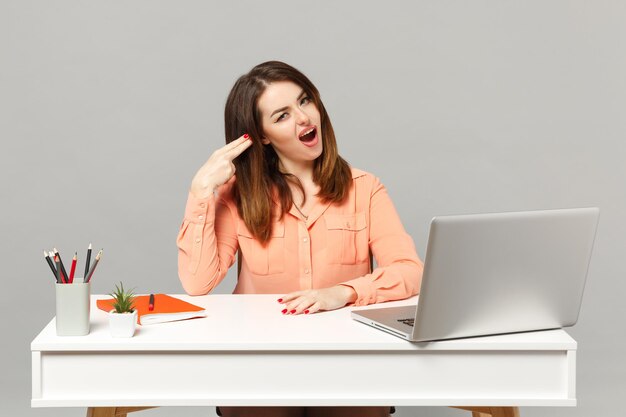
(311, 301)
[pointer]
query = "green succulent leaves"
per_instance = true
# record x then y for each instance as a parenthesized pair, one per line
(124, 299)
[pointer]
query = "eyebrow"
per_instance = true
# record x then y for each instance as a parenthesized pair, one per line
(286, 107)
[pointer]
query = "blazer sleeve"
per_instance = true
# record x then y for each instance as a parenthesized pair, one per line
(207, 243)
(398, 274)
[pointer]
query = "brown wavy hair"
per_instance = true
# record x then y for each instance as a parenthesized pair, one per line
(259, 182)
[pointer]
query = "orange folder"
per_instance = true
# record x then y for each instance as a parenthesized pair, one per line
(166, 308)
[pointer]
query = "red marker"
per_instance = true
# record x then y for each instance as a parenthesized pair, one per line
(151, 303)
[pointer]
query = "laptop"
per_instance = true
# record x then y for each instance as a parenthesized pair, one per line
(488, 274)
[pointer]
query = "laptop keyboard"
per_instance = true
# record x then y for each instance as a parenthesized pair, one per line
(407, 321)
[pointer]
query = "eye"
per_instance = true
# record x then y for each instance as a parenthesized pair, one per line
(304, 99)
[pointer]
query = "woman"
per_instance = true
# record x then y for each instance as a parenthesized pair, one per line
(296, 211)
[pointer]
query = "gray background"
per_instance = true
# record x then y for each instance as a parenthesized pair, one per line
(107, 109)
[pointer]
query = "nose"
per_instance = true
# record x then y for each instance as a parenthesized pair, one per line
(301, 117)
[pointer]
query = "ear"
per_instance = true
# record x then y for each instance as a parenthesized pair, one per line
(265, 141)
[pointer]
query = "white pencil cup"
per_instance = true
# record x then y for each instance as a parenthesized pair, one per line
(73, 304)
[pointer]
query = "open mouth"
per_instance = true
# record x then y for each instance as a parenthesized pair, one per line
(309, 135)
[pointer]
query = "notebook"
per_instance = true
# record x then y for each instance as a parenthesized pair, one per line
(488, 274)
(166, 308)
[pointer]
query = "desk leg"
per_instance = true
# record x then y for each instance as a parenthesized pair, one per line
(113, 411)
(492, 411)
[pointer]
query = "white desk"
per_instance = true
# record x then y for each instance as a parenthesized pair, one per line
(247, 353)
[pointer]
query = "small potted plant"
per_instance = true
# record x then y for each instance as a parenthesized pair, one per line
(123, 317)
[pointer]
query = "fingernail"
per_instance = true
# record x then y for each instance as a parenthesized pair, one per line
(246, 136)
(284, 311)
(306, 311)
(280, 300)
(292, 311)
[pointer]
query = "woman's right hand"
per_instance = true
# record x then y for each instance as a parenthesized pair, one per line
(219, 168)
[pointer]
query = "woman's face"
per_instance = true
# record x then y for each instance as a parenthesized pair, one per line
(291, 123)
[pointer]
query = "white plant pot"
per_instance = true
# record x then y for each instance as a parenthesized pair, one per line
(122, 325)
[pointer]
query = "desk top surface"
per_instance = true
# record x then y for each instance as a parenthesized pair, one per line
(255, 322)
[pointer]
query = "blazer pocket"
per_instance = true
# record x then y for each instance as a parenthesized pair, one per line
(263, 260)
(346, 238)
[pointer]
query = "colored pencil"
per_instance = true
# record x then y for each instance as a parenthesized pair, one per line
(64, 272)
(73, 268)
(93, 267)
(59, 270)
(58, 264)
(54, 271)
(87, 262)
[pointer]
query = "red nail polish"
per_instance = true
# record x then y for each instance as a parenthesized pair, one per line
(280, 300)
(306, 311)
(292, 311)
(284, 311)
(246, 136)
